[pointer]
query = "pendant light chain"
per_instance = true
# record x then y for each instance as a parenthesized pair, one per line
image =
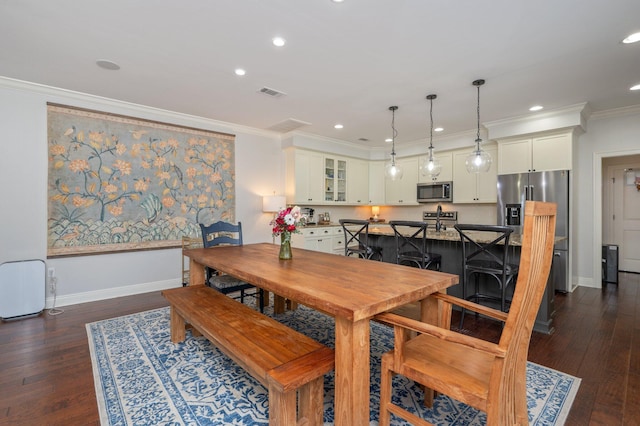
(392, 170)
(478, 161)
(480, 82)
(431, 98)
(394, 133)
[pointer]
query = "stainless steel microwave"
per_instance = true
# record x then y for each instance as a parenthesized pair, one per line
(435, 192)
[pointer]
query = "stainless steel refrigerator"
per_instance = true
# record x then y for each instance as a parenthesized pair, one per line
(515, 189)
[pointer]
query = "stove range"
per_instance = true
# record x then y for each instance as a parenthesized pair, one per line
(447, 219)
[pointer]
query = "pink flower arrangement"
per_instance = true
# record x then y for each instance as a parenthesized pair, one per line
(286, 222)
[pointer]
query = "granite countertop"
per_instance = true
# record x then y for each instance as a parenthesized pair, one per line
(446, 235)
(383, 229)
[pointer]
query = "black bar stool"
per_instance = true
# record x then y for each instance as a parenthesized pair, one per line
(411, 245)
(485, 251)
(356, 239)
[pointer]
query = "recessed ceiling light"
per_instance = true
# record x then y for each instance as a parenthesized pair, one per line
(536, 108)
(240, 71)
(438, 129)
(636, 87)
(635, 37)
(338, 126)
(337, 1)
(278, 41)
(388, 140)
(107, 65)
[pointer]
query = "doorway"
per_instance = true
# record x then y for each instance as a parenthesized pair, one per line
(621, 211)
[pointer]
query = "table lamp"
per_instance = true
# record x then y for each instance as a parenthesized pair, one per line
(273, 204)
(375, 211)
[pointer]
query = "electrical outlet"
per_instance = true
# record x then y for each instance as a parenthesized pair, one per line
(53, 281)
(51, 272)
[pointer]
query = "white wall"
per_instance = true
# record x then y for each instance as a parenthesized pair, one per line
(259, 171)
(23, 194)
(611, 134)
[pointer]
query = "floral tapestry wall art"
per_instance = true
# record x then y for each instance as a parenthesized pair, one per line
(119, 183)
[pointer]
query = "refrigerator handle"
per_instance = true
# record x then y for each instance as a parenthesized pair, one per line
(531, 192)
(526, 192)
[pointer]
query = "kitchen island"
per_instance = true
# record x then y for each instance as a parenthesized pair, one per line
(447, 244)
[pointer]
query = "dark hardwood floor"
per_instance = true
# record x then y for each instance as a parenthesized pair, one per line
(46, 376)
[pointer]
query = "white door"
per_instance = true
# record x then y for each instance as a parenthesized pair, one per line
(626, 222)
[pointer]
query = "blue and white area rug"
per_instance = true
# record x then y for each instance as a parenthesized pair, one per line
(141, 378)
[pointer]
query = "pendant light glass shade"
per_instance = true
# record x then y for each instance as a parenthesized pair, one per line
(478, 161)
(432, 166)
(392, 170)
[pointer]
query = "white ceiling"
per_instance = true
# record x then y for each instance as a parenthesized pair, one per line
(345, 62)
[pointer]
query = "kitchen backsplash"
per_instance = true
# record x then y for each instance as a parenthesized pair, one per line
(467, 213)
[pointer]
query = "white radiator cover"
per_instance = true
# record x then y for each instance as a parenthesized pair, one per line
(22, 288)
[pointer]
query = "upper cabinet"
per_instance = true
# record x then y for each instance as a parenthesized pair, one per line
(376, 183)
(474, 187)
(403, 192)
(335, 180)
(304, 177)
(357, 181)
(540, 153)
(314, 178)
(446, 174)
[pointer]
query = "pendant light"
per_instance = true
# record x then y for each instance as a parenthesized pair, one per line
(432, 167)
(478, 161)
(392, 170)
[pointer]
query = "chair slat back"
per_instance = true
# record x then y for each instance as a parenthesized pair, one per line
(535, 264)
(221, 233)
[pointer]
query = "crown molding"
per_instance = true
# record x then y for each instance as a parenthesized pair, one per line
(616, 112)
(572, 116)
(86, 100)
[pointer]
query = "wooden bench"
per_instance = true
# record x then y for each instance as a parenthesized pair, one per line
(282, 359)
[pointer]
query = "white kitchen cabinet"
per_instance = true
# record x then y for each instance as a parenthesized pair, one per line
(540, 153)
(327, 239)
(357, 182)
(376, 183)
(335, 180)
(446, 174)
(403, 192)
(304, 177)
(474, 187)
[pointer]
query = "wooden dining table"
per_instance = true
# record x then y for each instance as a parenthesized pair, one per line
(351, 290)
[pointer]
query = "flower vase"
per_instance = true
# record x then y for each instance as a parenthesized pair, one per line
(285, 246)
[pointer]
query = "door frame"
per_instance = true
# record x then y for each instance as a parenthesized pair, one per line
(597, 207)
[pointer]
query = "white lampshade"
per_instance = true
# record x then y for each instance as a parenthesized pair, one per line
(273, 203)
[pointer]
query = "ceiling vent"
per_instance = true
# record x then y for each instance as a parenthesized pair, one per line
(288, 125)
(271, 92)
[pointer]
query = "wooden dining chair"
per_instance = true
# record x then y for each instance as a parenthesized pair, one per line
(224, 233)
(488, 376)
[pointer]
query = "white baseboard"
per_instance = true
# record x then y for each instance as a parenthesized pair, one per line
(585, 282)
(110, 293)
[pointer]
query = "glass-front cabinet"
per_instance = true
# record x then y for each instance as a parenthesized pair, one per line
(335, 179)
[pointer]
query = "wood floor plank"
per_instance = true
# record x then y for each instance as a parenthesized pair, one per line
(46, 374)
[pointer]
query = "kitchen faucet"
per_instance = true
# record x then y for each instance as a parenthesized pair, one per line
(438, 213)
